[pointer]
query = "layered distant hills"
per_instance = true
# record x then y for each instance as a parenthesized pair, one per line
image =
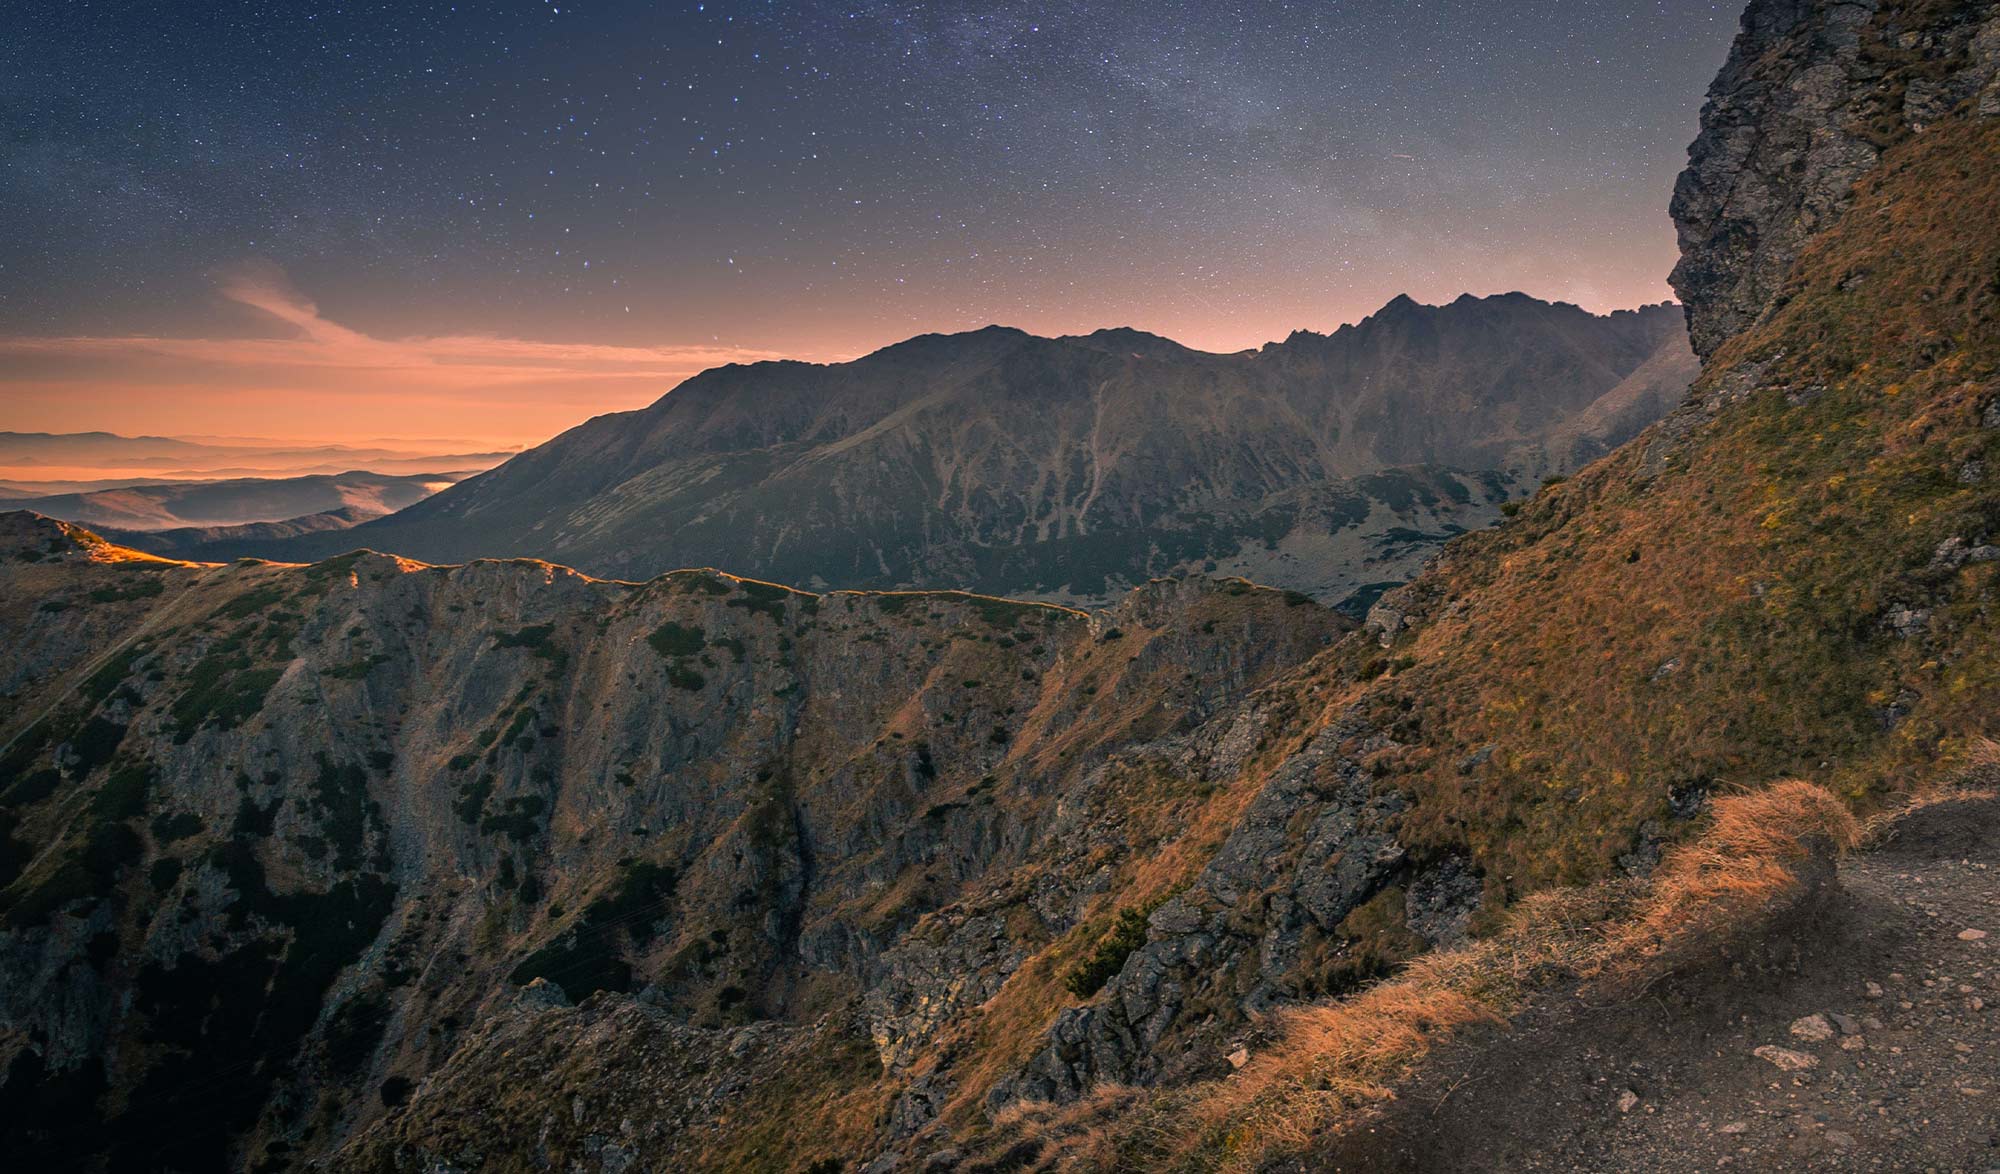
(170, 506)
(42, 463)
(1072, 468)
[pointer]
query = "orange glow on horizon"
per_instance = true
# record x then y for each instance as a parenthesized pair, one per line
(328, 384)
(315, 381)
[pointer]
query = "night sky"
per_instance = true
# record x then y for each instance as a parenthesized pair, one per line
(220, 215)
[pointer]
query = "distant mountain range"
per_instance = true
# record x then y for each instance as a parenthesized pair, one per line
(43, 463)
(354, 496)
(1072, 468)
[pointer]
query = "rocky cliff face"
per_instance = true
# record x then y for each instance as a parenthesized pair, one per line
(1813, 93)
(1072, 469)
(276, 839)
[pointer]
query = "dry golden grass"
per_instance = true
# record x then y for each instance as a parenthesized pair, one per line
(1175, 832)
(1720, 886)
(1321, 1063)
(1707, 607)
(1977, 779)
(1756, 554)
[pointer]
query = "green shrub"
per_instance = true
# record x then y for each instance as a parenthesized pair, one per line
(762, 599)
(106, 680)
(520, 822)
(224, 690)
(146, 588)
(472, 798)
(177, 827)
(587, 957)
(1127, 934)
(355, 670)
(165, 874)
(538, 639)
(123, 795)
(95, 744)
(32, 788)
(340, 792)
(671, 639)
(251, 602)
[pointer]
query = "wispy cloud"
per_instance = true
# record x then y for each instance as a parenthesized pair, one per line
(329, 378)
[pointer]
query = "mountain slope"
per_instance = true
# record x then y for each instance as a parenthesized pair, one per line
(1881, 1008)
(670, 891)
(1072, 468)
(1792, 575)
(267, 828)
(78, 458)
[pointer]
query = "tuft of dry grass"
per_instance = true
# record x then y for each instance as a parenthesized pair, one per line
(1720, 886)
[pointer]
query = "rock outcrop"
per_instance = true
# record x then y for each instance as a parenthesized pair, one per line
(1812, 95)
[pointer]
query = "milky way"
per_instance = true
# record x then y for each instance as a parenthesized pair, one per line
(818, 178)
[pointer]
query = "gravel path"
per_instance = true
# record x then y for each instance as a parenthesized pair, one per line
(1876, 1047)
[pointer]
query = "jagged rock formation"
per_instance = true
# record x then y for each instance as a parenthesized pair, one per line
(1813, 93)
(1071, 469)
(1778, 579)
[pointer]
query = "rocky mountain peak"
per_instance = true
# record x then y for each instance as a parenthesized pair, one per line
(1812, 94)
(29, 537)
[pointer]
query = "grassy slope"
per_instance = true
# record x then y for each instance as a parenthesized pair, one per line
(1764, 547)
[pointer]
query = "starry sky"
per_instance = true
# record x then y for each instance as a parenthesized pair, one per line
(492, 220)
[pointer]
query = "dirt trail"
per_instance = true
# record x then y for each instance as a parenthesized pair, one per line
(1887, 1017)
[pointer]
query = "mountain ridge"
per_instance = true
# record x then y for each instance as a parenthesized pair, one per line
(981, 459)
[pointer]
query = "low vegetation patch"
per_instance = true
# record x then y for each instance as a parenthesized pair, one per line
(589, 956)
(138, 587)
(765, 599)
(1087, 977)
(671, 639)
(224, 689)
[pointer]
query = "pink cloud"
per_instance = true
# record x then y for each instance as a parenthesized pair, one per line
(517, 389)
